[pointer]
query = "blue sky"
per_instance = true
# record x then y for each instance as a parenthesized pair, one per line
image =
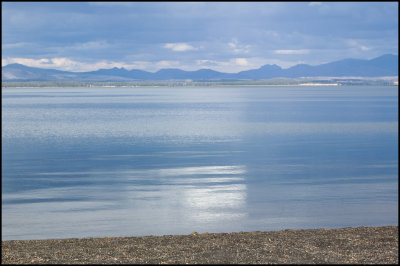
(224, 36)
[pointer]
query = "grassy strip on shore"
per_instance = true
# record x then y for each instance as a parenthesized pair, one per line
(376, 245)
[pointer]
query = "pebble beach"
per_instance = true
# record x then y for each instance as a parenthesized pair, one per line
(360, 245)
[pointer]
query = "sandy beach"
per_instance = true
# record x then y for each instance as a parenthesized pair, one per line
(361, 245)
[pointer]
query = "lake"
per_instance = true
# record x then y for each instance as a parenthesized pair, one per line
(94, 162)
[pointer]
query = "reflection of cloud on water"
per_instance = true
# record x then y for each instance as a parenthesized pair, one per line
(202, 194)
(129, 202)
(217, 202)
(217, 196)
(209, 170)
(208, 193)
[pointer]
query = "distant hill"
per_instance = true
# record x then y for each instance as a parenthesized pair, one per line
(385, 65)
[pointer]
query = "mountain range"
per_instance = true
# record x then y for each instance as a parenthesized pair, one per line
(385, 65)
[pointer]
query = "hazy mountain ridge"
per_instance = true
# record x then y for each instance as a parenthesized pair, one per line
(385, 65)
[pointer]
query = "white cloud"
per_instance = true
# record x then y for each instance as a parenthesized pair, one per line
(232, 65)
(365, 48)
(166, 64)
(179, 47)
(357, 45)
(65, 63)
(206, 63)
(26, 61)
(241, 62)
(238, 48)
(60, 63)
(288, 51)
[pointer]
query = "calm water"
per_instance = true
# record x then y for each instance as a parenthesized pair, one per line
(88, 162)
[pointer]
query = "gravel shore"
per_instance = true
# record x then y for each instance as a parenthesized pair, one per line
(361, 245)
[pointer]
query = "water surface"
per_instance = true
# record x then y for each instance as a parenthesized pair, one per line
(88, 162)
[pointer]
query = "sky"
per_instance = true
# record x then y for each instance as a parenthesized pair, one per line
(223, 36)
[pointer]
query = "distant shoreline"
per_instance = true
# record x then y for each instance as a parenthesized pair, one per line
(375, 245)
(383, 81)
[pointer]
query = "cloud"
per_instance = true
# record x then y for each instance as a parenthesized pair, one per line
(25, 61)
(238, 48)
(357, 45)
(179, 47)
(166, 64)
(60, 63)
(365, 48)
(204, 61)
(298, 51)
(232, 65)
(140, 34)
(66, 64)
(241, 62)
(90, 45)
